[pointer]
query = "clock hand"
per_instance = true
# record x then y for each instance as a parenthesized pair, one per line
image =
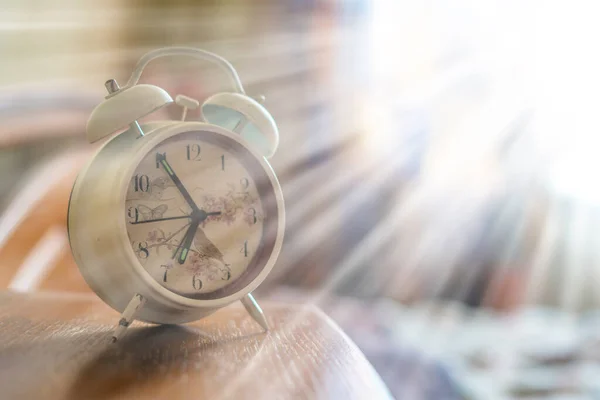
(160, 219)
(185, 235)
(186, 195)
(187, 241)
(197, 218)
(170, 218)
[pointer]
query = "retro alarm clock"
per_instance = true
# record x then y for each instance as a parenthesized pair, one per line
(172, 220)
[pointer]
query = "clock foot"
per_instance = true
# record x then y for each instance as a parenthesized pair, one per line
(128, 316)
(255, 311)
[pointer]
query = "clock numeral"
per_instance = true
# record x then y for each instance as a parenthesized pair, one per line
(141, 183)
(227, 276)
(159, 158)
(245, 183)
(196, 282)
(134, 214)
(142, 249)
(253, 214)
(245, 248)
(193, 152)
(223, 162)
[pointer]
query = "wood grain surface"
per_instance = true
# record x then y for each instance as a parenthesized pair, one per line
(57, 346)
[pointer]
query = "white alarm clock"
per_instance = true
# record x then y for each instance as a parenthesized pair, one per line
(172, 220)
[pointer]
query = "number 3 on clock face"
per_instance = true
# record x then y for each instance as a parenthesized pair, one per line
(193, 202)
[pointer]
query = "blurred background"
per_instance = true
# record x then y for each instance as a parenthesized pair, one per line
(437, 160)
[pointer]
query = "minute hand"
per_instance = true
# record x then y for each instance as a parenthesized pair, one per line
(186, 195)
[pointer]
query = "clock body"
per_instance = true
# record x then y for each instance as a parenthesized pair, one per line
(126, 185)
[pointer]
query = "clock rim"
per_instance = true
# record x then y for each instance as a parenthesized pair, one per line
(156, 138)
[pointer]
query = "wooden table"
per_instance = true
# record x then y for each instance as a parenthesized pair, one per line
(57, 346)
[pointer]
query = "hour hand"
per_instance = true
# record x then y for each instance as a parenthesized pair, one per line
(162, 160)
(192, 234)
(187, 242)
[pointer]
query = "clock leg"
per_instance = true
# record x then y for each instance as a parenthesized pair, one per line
(128, 316)
(254, 310)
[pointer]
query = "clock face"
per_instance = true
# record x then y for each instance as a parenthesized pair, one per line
(198, 215)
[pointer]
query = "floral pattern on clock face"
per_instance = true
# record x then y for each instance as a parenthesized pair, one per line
(195, 215)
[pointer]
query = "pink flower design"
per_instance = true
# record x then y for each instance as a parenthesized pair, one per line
(231, 205)
(152, 237)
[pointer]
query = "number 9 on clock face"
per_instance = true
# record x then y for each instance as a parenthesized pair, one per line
(200, 215)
